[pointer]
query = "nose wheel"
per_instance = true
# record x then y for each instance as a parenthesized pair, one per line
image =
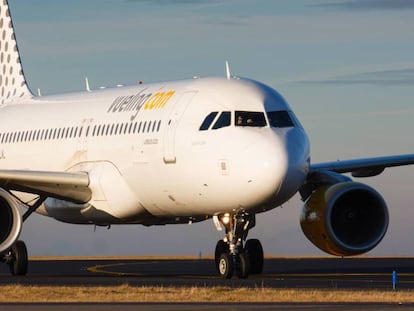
(232, 255)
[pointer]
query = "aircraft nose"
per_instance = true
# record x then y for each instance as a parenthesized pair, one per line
(263, 167)
(275, 167)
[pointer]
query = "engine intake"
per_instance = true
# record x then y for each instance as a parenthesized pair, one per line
(345, 219)
(10, 220)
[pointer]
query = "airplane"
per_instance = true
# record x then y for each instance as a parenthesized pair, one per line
(220, 148)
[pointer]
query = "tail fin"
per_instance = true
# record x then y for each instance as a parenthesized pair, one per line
(13, 85)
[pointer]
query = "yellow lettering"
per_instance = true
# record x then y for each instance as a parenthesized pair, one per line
(158, 100)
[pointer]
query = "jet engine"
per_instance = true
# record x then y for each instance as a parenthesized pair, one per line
(10, 220)
(345, 219)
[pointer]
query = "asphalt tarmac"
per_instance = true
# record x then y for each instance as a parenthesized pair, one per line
(326, 273)
(335, 273)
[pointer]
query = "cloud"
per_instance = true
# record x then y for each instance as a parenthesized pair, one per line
(390, 77)
(368, 5)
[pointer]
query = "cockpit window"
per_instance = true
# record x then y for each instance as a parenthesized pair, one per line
(250, 118)
(207, 121)
(223, 120)
(280, 119)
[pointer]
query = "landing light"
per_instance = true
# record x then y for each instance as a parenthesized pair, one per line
(225, 219)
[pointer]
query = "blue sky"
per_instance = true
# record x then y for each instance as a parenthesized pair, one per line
(346, 67)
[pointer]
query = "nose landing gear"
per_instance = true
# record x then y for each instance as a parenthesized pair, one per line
(230, 254)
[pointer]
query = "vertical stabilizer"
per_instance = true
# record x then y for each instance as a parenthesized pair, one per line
(13, 85)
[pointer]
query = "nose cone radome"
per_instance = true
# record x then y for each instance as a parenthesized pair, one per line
(264, 165)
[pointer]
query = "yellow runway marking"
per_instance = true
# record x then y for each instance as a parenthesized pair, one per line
(102, 269)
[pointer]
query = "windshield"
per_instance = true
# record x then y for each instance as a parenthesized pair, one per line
(280, 119)
(250, 118)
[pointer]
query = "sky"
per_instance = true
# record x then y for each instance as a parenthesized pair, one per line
(346, 67)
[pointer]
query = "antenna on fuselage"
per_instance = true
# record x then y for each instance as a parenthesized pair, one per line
(38, 92)
(87, 84)
(228, 75)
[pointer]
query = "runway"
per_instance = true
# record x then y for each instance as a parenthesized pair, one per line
(335, 273)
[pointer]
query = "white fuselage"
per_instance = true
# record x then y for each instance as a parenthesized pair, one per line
(147, 158)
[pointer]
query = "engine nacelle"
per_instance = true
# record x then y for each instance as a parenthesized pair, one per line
(345, 219)
(10, 220)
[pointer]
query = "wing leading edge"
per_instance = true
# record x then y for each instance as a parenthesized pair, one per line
(72, 187)
(366, 167)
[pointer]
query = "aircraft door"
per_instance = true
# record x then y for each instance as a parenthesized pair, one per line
(82, 135)
(173, 121)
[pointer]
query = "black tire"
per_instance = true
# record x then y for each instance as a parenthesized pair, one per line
(226, 266)
(221, 248)
(254, 249)
(19, 262)
(243, 267)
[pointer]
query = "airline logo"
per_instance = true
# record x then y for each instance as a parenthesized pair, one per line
(134, 103)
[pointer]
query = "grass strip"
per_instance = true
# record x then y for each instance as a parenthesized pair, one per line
(128, 293)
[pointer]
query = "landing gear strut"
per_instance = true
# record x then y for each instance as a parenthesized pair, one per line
(230, 254)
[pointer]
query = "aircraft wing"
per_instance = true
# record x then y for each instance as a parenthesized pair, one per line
(363, 167)
(72, 187)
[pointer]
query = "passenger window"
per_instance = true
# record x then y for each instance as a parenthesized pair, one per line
(250, 118)
(207, 121)
(280, 119)
(223, 120)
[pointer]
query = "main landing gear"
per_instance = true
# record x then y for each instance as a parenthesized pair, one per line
(230, 254)
(16, 258)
